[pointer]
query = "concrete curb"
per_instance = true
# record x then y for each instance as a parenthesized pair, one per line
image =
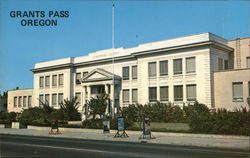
(238, 143)
(139, 133)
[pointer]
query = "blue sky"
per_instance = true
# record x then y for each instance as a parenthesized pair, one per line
(88, 29)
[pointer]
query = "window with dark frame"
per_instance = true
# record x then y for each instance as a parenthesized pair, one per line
(152, 94)
(125, 73)
(24, 101)
(134, 72)
(151, 69)
(220, 64)
(47, 81)
(125, 96)
(47, 99)
(15, 101)
(191, 92)
(190, 65)
(178, 93)
(177, 66)
(41, 81)
(54, 97)
(29, 101)
(237, 91)
(78, 77)
(41, 99)
(164, 68)
(164, 93)
(134, 95)
(226, 64)
(60, 79)
(60, 98)
(20, 101)
(54, 80)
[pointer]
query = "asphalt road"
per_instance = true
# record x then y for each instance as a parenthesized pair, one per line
(29, 146)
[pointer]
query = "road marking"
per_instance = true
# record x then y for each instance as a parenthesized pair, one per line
(151, 147)
(128, 154)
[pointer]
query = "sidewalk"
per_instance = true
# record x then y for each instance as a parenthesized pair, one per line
(201, 140)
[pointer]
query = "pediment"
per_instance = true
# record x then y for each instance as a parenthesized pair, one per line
(97, 75)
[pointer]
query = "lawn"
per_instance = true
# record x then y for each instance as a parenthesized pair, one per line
(167, 127)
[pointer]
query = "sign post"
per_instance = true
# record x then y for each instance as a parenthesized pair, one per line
(146, 129)
(106, 127)
(54, 126)
(120, 128)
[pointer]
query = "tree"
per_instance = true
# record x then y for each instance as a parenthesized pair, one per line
(70, 109)
(98, 105)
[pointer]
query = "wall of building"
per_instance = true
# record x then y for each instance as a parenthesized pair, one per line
(19, 93)
(241, 51)
(66, 88)
(224, 89)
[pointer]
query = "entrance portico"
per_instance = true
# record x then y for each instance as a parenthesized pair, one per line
(100, 81)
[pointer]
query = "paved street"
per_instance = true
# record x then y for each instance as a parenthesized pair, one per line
(30, 146)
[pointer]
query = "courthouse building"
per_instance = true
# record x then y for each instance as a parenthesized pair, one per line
(202, 67)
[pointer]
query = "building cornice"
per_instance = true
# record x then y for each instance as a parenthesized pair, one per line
(135, 54)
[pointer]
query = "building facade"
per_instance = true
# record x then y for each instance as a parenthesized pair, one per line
(180, 71)
(20, 99)
(232, 86)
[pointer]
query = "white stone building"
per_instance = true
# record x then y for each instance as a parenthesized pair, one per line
(179, 71)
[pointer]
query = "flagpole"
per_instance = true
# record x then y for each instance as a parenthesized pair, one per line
(113, 60)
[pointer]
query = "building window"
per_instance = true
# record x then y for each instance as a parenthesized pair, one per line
(47, 101)
(54, 80)
(54, 97)
(29, 101)
(163, 68)
(47, 80)
(78, 97)
(191, 92)
(190, 65)
(84, 73)
(249, 89)
(125, 96)
(220, 64)
(152, 93)
(24, 101)
(237, 91)
(177, 66)
(41, 82)
(60, 79)
(134, 72)
(60, 98)
(134, 95)
(178, 93)
(15, 101)
(152, 69)
(19, 101)
(248, 62)
(78, 77)
(41, 99)
(226, 64)
(125, 73)
(164, 93)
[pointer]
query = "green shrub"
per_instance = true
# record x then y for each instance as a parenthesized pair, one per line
(222, 122)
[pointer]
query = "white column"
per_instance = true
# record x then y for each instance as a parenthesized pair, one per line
(83, 103)
(106, 89)
(112, 94)
(89, 92)
(83, 95)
